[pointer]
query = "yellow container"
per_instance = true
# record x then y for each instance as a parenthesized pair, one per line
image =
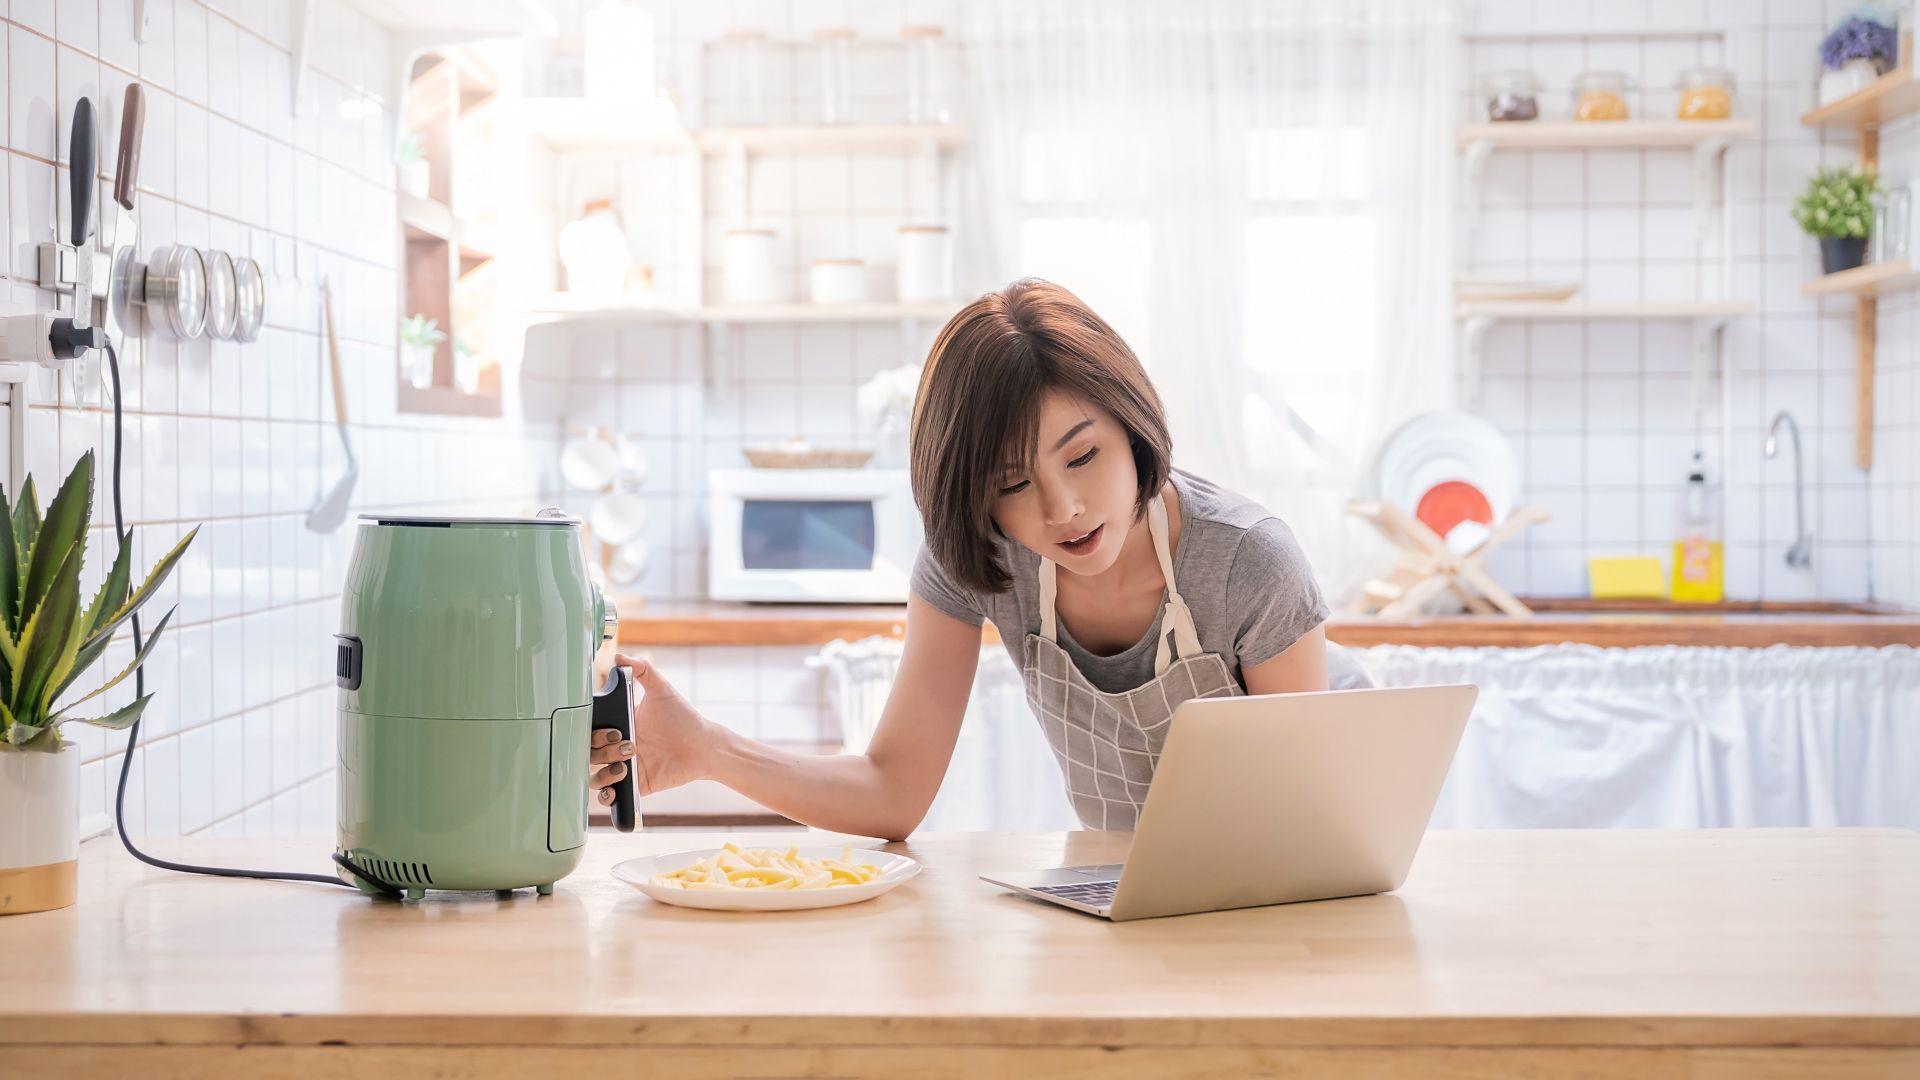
(1699, 571)
(1626, 579)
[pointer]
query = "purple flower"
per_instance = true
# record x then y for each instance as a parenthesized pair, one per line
(1858, 39)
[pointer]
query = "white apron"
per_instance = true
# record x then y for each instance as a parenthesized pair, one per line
(1108, 745)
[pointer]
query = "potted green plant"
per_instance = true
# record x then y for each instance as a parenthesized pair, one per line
(419, 337)
(1837, 207)
(49, 637)
(416, 175)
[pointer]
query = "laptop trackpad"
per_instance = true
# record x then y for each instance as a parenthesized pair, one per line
(1108, 872)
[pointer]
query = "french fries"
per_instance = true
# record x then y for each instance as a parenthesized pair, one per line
(767, 868)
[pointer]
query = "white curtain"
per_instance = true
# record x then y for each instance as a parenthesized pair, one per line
(1667, 737)
(1562, 736)
(1258, 195)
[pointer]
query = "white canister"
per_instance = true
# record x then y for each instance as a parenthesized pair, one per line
(925, 263)
(40, 846)
(839, 281)
(749, 267)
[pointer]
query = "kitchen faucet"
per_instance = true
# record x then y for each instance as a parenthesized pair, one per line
(1801, 553)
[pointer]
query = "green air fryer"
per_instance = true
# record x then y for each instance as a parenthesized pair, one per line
(465, 666)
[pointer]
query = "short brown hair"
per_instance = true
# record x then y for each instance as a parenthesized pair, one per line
(978, 411)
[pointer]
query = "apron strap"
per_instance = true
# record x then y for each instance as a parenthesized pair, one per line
(1049, 589)
(1177, 617)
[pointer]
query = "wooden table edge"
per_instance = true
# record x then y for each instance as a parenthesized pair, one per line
(105, 1029)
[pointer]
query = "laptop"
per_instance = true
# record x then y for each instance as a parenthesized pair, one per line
(1275, 799)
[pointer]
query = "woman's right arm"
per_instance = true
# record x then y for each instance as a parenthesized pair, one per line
(884, 792)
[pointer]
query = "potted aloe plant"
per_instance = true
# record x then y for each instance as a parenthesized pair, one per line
(49, 637)
(1837, 207)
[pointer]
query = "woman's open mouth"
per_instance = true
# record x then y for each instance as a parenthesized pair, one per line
(1084, 544)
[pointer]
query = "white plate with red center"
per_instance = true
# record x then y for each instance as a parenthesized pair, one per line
(1453, 471)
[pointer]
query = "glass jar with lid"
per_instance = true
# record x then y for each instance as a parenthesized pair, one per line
(1511, 95)
(1706, 93)
(835, 46)
(1600, 95)
(740, 70)
(926, 48)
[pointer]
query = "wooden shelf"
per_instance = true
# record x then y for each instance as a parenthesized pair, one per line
(1892, 95)
(1600, 310)
(1600, 135)
(1873, 279)
(831, 139)
(561, 307)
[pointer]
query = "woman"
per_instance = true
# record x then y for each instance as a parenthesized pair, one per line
(1120, 586)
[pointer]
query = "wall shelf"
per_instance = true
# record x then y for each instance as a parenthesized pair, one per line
(1873, 279)
(1889, 97)
(1603, 135)
(1892, 95)
(562, 307)
(1709, 318)
(1600, 310)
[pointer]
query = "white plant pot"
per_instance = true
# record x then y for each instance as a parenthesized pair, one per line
(416, 177)
(40, 845)
(416, 364)
(1851, 77)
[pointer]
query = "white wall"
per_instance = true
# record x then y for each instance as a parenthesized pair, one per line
(239, 438)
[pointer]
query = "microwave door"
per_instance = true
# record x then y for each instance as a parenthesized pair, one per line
(806, 534)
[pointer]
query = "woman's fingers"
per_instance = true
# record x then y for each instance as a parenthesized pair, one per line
(605, 777)
(646, 675)
(612, 752)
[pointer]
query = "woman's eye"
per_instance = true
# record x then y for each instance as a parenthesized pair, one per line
(1083, 458)
(1015, 489)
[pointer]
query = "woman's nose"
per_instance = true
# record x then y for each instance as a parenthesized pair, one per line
(1062, 505)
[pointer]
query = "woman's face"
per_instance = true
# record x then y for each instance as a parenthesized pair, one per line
(1076, 505)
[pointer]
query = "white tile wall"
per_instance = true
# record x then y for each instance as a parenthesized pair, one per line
(694, 401)
(239, 439)
(1600, 412)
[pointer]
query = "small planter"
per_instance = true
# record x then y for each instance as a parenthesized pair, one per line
(1839, 253)
(40, 846)
(1850, 78)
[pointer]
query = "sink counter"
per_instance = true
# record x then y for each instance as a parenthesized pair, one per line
(1603, 623)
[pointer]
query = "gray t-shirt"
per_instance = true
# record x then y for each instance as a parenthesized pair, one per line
(1239, 568)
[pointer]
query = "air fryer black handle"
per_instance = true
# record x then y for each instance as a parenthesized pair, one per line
(80, 161)
(613, 708)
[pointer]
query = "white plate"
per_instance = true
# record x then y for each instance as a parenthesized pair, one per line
(1435, 447)
(639, 873)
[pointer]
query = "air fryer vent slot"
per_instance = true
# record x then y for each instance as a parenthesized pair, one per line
(397, 873)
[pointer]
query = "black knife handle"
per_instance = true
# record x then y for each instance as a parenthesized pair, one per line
(81, 166)
(613, 708)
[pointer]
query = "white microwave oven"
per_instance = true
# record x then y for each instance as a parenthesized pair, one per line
(811, 535)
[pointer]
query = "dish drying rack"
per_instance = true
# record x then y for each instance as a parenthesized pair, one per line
(1427, 566)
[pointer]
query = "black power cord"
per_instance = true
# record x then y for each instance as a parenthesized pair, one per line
(140, 689)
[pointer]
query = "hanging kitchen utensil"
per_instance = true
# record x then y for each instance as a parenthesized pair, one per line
(174, 288)
(618, 517)
(83, 373)
(629, 564)
(588, 462)
(222, 296)
(250, 299)
(117, 284)
(331, 510)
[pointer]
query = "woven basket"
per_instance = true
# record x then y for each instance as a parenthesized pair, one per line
(801, 456)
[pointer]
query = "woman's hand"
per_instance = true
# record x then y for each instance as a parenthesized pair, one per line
(672, 744)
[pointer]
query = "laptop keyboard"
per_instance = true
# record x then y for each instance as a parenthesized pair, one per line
(1095, 893)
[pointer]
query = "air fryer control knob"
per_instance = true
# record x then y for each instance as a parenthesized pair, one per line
(609, 620)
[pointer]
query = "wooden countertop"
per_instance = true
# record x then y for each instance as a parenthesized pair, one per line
(1603, 623)
(1751, 953)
